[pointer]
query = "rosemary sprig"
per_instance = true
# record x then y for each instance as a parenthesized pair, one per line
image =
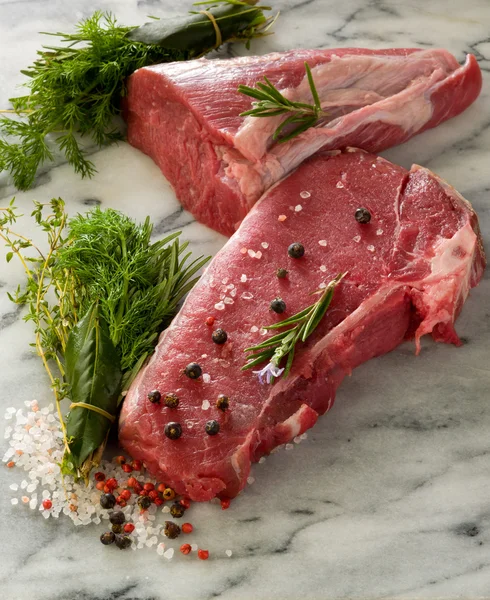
(283, 345)
(271, 103)
(75, 88)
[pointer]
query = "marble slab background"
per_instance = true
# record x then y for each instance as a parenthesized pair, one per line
(390, 494)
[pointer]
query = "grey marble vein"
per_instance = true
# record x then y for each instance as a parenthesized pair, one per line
(389, 497)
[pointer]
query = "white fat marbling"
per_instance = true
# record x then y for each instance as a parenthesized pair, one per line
(390, 494)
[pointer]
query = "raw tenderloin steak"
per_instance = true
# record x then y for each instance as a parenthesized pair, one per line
(185, 115)
(409, 272)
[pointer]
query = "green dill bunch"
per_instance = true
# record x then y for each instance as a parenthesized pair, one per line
(137, 284)
(73, 89)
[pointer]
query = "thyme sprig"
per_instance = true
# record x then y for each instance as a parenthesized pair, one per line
(271, 103)
(283, 345)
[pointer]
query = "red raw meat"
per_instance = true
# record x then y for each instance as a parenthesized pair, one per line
(185, 115)
(409, 271)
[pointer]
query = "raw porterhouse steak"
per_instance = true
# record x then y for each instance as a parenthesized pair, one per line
(409, 272)
(185, 116)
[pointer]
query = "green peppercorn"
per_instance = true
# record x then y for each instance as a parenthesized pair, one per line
(117, 528)
(144, 502)
(219, 336)
(171, 400)
(278, 305)
(362, 215)
(172, 530)
(177, 510)
(117, 517)
(173, 430)
(154, 397)
(108, 501)
(212, 427)
(193, 371)
(107, 538)
(122, 541)
(223, 402)
(282, 273)
(296, 250)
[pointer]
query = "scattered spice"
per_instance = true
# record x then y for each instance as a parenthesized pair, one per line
(203, 554)
(193, 371)
(362, 215)
(225, 503)
(144, 502)
(187, 528)
(99, 476)
(278, 305)
(210, 321)
(177, 510)
(122, 541)
(47, 504)
(219, 336)
(186, 503)
(212, 427)
(116, 528)
(185, 548)
(107, 538)
(173, 430)
(154, 397)
(296, 250)
(108, 501)
(168, 494)
(281, 273)
(117, 517)
(172, 530)
(127, 468)
(125, 494)
(128, 528)
(223, 402)
(132, 482)
(137, 465)
(171, 400)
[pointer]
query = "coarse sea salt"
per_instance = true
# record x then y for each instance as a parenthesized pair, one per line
(371, 248)
(304, 194)
(339, 185)
(219, 306)
(251, 253)
(228, 300)
(322, 242)
(243, 278)
(323, 268)
(205, 404)
(379, 232)
(357, 238)
(254, 328)
(281, 218)
(250, 480)
(206, 377)
(228, 553)
(298, 208)
(246, 296)
(264, 245)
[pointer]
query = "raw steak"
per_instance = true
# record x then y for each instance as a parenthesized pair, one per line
(409, 271)
(185, 116)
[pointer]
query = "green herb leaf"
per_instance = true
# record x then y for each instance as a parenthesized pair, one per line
(271, 103)
(93, 373)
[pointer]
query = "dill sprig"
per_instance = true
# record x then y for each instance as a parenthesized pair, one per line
(98, 297)
(75, 89)
(271, 103)
(283, 345)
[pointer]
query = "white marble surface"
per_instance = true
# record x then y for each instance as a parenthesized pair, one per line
(390, 494)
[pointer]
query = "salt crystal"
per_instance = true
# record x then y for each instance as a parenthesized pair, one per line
(166, 509)
(168, 554)
(161, 548)
(233, 293)
(243, 251)
(254, 328)
(258, 254)
(14, 487)
(323, 268)
(303, 436)
(281, 218)
(205, 405)
(219, 306)
(14, 501)
(322, 285)
(261, 460)
(243, 278)
(246, 296)
(206, 377)
(289, 446)
(339, 185)
(194, 547)
(251, 253)
(228, 553)
(379, 232)
(230, 286)
(304, 194)
(229, 301)
(204, 355)
(291, 207)
(371, 248)
(250, 480)
(357, 238)
(322, 242)
(189, 424)
(224, 281)
(264, 245)
(298, 208)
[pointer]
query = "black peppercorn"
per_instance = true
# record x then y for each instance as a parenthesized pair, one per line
(107, 538)
(122, 541)
(117, 517)
(223, 402)
(212, 427)
(172, 530)
(193, 371)
(278, 305)
(108, 501)
(117, 528)
(144, 502)
(173, 430)
(154, 396)
(362, 215)
(296, 250)
(177, 510)
(282, 273)
(219, 336)
(171, 400)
